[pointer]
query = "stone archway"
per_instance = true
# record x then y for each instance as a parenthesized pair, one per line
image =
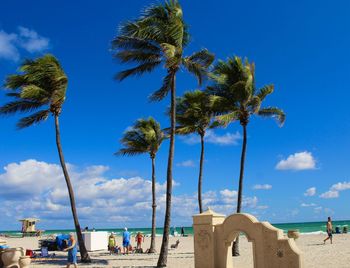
(213, 236)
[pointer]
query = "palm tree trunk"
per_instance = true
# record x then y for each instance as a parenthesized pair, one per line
(235, 248)
(200, 175)
(83, 252)
(154, 205)
(163, 256)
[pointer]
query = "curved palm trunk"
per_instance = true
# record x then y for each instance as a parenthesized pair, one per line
(163, 256)
(235, 248)
(200, 175)
(83, 252)
(154, 205)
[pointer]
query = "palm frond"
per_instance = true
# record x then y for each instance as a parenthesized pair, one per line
(198, 63)
(226, 119)
(15, 81)
(204, 57)
(129, 152)
(273, 112)
(33, 119)
(164, 90)
(254, 104)
(134, 43)
(264, 91)
(19, 106)
(145, 136)
(33, 92)
(138, 70)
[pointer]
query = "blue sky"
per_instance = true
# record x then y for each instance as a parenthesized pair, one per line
(302, 48)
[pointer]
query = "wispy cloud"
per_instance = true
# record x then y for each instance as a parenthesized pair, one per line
(330, 194)
(211, 137)
(8, 50)
(310, 192)
(31, 41)
(335, 189)
(308, 205)
(187, 163)
(298, 161)
(262, 187)
(25, 39)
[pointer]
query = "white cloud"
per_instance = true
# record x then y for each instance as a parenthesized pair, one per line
(330, 194)
(310, 192)
(31, 41)
(210, 137)
(187, 163)
(335, 189)
(308, 205)
(36, 188)
(297, 161)
(262, 187)
(8, 49)
(340, 186)
(26, 39)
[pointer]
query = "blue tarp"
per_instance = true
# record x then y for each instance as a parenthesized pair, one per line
(60, 239)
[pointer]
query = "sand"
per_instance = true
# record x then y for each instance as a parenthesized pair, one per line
(315, 254)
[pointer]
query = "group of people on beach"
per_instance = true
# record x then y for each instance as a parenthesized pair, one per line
(127, 247)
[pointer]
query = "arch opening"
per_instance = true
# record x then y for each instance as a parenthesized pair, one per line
(246, 250)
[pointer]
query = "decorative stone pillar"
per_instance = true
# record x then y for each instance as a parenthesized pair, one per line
(204, 240)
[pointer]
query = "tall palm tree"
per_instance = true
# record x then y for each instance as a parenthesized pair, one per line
(194, 114)
(238, 99)
(42, 85)
(158, 37)
(145, 136)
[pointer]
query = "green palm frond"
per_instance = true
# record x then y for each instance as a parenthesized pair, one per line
(203, 57)
(33, 119)
(15, 81)
(184, 130)
(194, 112)
(227, 118)
(235, 94)
(134, 43)
(145, 136)
(41, 82)
(254, 105)
(138, 70)
(273, 112)
(33, 92)
(158, 36)
(264, 91)
(19, 106)
(164, 90)
(198, 64)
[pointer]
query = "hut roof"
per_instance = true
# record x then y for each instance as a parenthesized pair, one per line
(29, 219)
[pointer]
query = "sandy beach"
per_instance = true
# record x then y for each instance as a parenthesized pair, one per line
(315, 254)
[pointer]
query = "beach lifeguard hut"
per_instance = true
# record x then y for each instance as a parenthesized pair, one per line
(28, 227)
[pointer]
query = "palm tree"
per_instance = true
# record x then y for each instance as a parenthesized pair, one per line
(194, 114)
(43, 83)
(237, 99)
(145, 136)
(157, 38)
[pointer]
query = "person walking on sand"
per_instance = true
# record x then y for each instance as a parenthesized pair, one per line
(126, 240)
(72, 251)
(329, 231)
